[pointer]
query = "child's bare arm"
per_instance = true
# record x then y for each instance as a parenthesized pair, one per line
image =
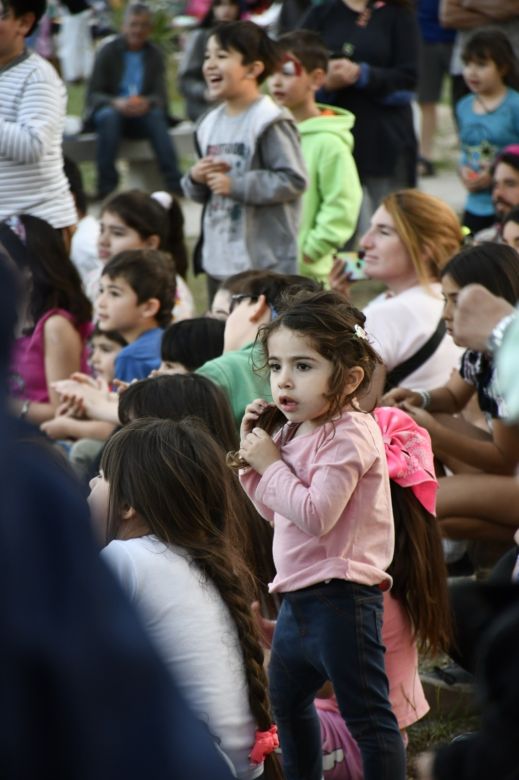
(63, 427)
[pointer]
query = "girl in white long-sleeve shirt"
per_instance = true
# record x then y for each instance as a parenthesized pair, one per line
(163, 499)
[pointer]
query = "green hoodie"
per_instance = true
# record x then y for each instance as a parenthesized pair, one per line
(331, 204)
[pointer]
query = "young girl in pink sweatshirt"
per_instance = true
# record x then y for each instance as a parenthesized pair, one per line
(322, 481)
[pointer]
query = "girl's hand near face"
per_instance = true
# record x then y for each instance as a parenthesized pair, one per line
(252, 411)
(259, 450)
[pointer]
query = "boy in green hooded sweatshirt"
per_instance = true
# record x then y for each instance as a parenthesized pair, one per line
(331, 204)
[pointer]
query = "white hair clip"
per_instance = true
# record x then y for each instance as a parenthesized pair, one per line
(360, 332)
(164, 198)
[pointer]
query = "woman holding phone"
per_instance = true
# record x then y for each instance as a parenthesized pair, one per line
(411, 237)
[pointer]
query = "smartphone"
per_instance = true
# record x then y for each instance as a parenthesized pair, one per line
(353, 265)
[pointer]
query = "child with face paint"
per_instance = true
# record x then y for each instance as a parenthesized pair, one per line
(331, 203)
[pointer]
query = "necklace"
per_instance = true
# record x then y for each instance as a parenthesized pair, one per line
(495, 101)
(481, 102)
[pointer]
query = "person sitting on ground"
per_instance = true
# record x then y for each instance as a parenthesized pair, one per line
(127, 96)
(104, 348)
(188, 344)
(135, 294)
(136, 220)
(221, 303)
(257, 303)
(166, 527)
(331, 203)
(181, 396)
(491, 751)
(487, 322)
(412, 236)
(57, 322)
(479, 500)
(32, 116)
(174, 241)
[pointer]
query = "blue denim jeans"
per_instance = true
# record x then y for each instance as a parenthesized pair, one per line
(333, 632)
(111, 126)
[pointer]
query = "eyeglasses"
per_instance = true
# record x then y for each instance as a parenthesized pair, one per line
(238, 298)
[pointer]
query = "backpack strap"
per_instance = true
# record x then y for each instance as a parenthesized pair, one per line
(400, 372)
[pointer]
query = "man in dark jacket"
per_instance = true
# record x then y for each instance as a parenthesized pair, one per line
(127, 96)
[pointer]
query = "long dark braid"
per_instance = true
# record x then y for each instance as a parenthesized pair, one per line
(230, 587)
(173, 474)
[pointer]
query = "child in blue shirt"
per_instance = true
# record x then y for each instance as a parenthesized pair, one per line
(488, 118)
(136, 296)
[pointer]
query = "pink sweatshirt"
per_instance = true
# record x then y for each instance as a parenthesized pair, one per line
(330, 503)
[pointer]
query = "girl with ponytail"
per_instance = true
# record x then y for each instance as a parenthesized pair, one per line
(162, 502)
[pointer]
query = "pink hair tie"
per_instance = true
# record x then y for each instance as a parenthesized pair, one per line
(510, 149)
(266, 742)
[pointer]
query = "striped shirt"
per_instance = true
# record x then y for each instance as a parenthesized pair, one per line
(32, 113)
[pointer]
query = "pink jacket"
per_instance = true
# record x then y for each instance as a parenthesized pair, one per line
(330, 503)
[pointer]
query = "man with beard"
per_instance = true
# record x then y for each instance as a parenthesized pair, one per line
(505, 191)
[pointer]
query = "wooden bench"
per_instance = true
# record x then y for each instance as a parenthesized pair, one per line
(142, 170)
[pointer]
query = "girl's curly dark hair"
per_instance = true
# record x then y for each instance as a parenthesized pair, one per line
(335, 330)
